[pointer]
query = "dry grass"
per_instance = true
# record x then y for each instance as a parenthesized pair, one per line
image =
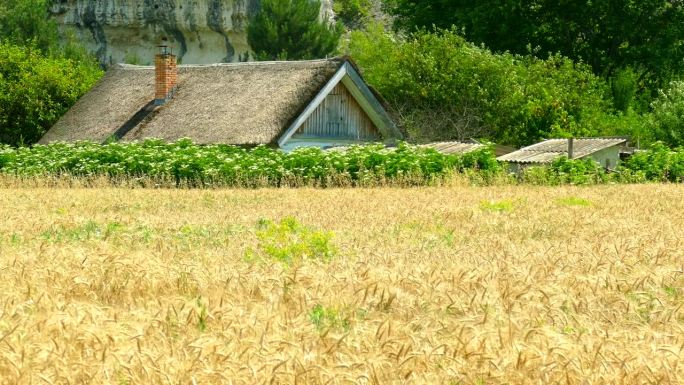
(514, 285)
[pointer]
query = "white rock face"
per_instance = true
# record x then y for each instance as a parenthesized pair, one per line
(199, 31)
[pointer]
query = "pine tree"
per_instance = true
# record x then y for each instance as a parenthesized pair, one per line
(292, 30)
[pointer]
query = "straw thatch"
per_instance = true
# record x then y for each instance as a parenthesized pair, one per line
(243, 103)
(122, 92)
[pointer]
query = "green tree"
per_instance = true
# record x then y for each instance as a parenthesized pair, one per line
(36, 90)
(291, 30)
(446, 88)
(353, 13)
(668, 115)
(26, 22)
(645, 35)
(624, 87)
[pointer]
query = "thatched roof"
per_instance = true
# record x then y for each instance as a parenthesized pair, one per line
(122, 92)
(241, 103)
(548, 150)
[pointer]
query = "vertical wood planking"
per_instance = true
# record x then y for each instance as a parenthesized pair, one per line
(339, 116)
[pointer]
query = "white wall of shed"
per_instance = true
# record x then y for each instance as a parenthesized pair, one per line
(611, 154)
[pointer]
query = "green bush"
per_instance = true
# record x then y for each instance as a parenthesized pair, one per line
(353, 13)
(445, 88)
(187, 164)
(26, 22)
(6, 155)
(566, 171)
(659, 163)
(626, 124)
(196, 165)
(668, 115)
(624, 87)
(35, 91)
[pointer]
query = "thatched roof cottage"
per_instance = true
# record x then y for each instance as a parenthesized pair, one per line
(321, 103)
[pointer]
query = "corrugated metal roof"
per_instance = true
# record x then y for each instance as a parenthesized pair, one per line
(453, 147)
(500, 149)
(548, 150)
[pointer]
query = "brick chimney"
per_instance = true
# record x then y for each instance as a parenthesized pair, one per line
(166, 74)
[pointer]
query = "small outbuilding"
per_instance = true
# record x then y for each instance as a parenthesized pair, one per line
(318, 103)
(605, 151)
(453, 147)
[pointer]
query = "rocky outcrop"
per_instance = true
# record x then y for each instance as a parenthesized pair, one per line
(199, 31)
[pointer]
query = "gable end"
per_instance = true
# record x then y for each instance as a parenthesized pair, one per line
(362, 96)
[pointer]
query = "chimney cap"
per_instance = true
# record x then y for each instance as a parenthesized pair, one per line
(164, 48)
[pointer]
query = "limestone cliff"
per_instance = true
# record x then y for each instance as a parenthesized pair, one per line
(200, 31)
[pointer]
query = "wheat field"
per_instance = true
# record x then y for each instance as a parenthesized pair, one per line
(441, 285)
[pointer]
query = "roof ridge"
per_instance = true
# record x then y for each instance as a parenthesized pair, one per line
(585, 138)
(339, 59)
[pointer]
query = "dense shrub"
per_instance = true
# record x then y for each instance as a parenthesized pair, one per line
(659, 163)
(353, 13)
(36, 90)
(668, 115)
(6, 155)
(229, 165)
(644, 35)
(444, 87)
(25, 22)
(187, 164)
(624, 88)
(566, 171)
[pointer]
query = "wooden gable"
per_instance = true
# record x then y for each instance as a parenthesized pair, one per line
(345, 111)
(339, 116)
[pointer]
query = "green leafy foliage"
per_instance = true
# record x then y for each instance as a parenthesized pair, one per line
(630, 124)
(447, 88)
(6, 155)
(645, 35)
(624, 87)
(230, 165)
(26, 22)
(353, 13)
(290, 242)
(36, 90)
(659, 163)
(187, 164)
(291, 30)
(668, 115)
(566, 171)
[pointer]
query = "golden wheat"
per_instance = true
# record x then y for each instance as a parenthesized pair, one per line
(449, 285)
